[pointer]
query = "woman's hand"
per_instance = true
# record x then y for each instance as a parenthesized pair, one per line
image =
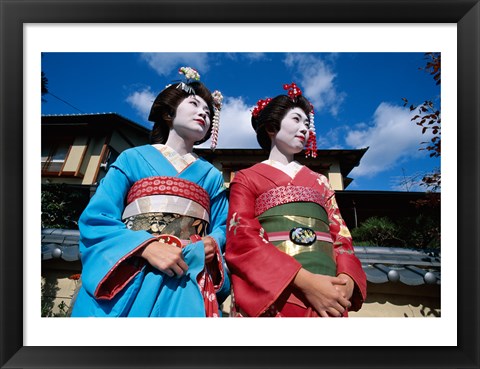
(210, 247)
(322, 292)
(166, 258)
(347, 288)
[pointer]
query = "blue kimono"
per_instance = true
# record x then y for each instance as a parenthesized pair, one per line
(116, 282)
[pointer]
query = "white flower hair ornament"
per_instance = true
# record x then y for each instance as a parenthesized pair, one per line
(191, 75)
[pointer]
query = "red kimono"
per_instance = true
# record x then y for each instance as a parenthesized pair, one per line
(276, 225)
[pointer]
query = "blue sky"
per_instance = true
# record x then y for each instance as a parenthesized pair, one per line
(357, 98)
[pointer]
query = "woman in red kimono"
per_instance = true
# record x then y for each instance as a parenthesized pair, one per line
(288, 249)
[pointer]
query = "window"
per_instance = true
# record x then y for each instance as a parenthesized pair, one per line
(54, 155)
(111, 156)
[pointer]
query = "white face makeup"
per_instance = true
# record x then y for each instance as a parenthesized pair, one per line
(293, 133)
(192, 119)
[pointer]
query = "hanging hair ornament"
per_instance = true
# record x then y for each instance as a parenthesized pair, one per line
(217, 106)
(311, 147)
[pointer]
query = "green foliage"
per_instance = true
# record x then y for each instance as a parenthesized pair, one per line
(379, 231)
(62, 205)
(50, 288)
(420, 231)
(47, 310)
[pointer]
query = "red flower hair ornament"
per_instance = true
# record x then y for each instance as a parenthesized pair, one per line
(293, 92)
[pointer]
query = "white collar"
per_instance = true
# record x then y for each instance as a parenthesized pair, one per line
(291, 169)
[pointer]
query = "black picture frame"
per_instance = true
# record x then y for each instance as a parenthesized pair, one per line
(14, 13)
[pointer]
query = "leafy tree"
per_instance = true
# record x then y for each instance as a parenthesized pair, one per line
(419, 231)
(44, 85)
(377, 231)
(62, 205)
(428, 117)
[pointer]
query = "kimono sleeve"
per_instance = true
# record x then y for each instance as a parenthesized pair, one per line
(107, 247)
(345, 257)
(260, 272)
(217, 230)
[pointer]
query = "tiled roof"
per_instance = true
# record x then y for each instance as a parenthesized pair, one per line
(412, 267)
(60, 243)
(395, 264)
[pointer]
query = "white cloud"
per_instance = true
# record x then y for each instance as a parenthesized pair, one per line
(235, 128)
(330, 139)
(392, 139)
(317, 82)
(142, 101)
(165, 63)
(255, 56)
(251, 57)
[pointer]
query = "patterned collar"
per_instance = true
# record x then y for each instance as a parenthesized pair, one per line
(180, 162)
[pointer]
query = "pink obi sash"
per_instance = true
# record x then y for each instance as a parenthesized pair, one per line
(287, 194)
(169, 186)
(167, 194)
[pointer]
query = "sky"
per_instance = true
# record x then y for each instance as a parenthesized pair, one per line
(357, 98)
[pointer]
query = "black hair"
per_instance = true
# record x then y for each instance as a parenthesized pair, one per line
(165, 106)
(271, 116)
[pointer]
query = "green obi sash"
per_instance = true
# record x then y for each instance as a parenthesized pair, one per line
(278, 223)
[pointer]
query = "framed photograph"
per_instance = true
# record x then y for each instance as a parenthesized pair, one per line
(85, 26)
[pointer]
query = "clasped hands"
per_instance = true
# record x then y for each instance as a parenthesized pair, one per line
(329, 296)
(168, 258)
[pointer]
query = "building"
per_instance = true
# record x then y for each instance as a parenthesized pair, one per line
(335, 164)
(77, 149)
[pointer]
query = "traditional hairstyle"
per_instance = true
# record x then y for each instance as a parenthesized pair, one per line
(165, 106)
(269, 113)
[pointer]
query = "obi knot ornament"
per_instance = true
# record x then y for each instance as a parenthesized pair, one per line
(303, 236)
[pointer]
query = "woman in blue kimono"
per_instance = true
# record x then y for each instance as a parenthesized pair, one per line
(152, 237)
